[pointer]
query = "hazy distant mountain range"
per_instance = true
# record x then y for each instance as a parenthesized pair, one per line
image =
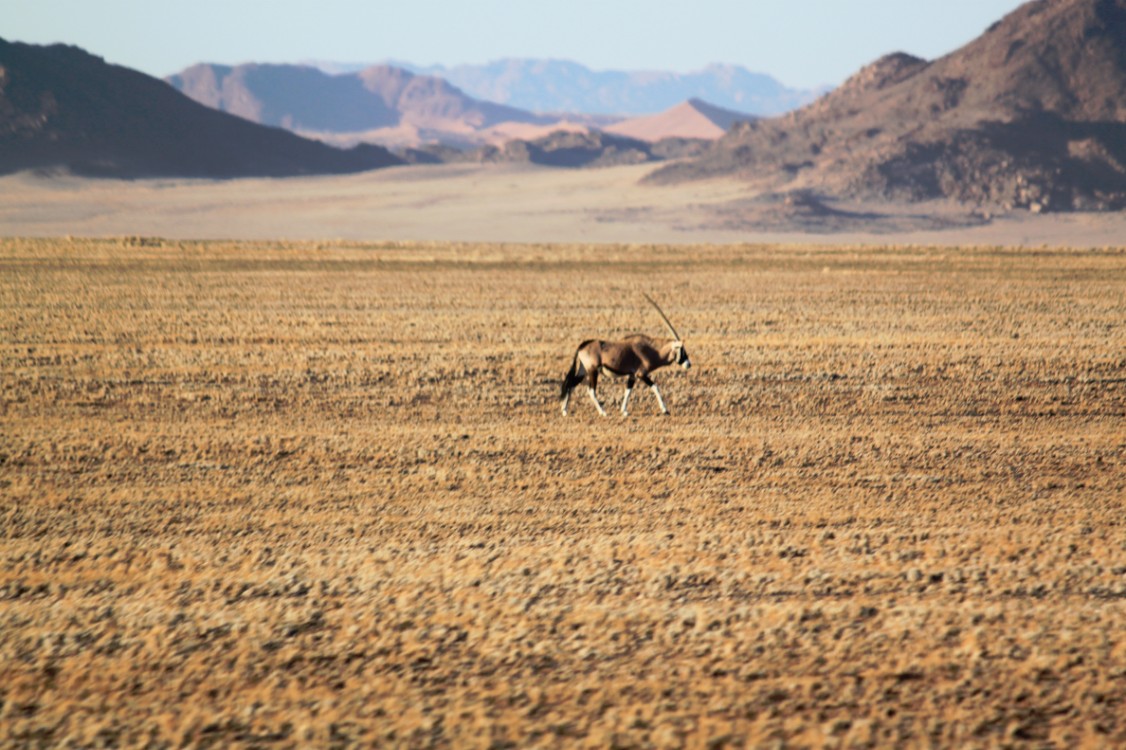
(553, 86)
(394, 107)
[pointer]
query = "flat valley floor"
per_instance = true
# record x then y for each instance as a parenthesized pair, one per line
(509, 203)
(321, 494)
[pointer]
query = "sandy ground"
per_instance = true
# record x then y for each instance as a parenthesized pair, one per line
(492, 203)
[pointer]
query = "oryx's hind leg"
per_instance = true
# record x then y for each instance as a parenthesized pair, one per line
(597, 403)
(570, 380)
(592, 386)
(625, 400)
(656, 392)
(569, 384)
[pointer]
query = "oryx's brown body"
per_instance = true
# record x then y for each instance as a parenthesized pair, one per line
(633, 358)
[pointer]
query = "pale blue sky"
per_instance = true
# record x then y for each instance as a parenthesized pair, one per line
(803, 43)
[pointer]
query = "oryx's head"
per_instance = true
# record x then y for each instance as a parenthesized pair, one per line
(679, 353)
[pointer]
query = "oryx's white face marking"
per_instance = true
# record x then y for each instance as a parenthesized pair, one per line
(680, 355)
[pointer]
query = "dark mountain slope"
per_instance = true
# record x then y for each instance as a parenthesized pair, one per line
(61, 107)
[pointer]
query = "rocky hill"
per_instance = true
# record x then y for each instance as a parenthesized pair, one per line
(1031, 114)
(62, 108)
(565, 148)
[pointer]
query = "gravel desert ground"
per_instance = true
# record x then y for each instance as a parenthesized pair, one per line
(281, 494)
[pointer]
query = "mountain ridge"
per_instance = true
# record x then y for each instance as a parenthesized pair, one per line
(548, 86)
(304, 98)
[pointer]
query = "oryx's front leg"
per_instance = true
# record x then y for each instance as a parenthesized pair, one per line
(656, 392)
(625, 400)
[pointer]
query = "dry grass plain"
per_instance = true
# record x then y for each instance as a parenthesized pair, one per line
(277, 495)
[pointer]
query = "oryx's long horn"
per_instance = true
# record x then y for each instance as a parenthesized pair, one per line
(663, 316)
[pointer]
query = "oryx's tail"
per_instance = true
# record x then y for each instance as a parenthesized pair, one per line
(573, 377)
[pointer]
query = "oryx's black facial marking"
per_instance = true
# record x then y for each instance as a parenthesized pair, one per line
(682, 357)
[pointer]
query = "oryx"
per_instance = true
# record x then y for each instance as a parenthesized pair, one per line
(634, 357)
